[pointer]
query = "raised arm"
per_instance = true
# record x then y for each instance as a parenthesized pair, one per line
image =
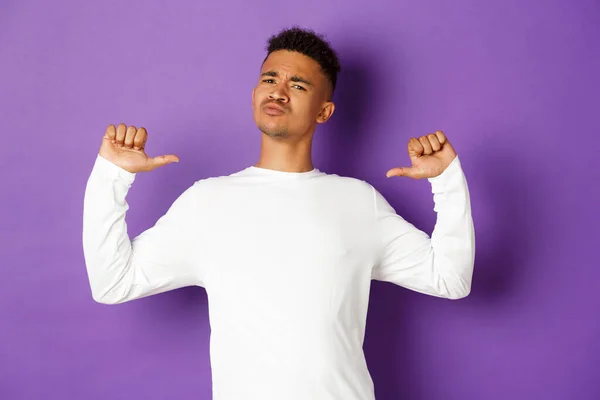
(159, 259)
(440, 265)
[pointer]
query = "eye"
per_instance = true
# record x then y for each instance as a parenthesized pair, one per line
(298, 87)
(268, 80)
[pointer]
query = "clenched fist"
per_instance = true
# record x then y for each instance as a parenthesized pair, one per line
(430, 155)
(124, 147)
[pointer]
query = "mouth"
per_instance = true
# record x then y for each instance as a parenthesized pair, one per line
(273, 110)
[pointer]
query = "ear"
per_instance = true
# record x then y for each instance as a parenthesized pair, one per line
(326, 112)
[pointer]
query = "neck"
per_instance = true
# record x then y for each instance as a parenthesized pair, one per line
(286, 155)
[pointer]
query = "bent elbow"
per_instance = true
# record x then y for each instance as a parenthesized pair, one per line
(457, 295)
(106, 297)
(457, 285)
(459, 292)
(104, 300)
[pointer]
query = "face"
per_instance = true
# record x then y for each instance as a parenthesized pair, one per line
(291, 97)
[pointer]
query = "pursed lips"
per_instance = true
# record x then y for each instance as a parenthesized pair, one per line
(273, 109)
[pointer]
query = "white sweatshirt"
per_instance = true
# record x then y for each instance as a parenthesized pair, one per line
(287, 261)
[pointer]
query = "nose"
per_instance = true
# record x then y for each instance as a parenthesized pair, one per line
(279, 94)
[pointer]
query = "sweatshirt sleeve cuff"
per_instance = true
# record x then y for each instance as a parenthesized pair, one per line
(109, 169)
(438, 183)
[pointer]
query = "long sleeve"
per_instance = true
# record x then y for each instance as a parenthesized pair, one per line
(440, 265)
(157, 260)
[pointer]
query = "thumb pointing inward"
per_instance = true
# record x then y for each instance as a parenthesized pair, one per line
(400, 171)
(159, 161)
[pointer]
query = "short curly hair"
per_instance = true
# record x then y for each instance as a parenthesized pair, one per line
(311, 44)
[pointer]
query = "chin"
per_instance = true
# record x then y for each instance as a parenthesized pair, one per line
(273, 130)
(275, 134)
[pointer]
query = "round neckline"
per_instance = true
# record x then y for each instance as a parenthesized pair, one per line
(274, 172)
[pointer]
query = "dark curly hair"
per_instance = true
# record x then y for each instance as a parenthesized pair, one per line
(309, 43)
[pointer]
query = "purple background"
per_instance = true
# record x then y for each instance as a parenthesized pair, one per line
(513, 84)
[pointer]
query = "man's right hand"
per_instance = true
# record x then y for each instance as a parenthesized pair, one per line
(124, 147)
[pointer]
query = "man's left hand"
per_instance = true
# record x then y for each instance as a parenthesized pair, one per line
(430, 155)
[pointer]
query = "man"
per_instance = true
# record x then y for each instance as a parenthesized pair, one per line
(286, 252)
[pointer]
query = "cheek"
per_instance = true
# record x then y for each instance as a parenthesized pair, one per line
(255, 98)
(259, 95)
(303, 105)
(256, 102)
(313, 108)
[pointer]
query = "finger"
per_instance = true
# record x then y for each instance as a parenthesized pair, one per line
(120, 137)
(441, 137)
(144, 142)
(131, 130)
(140, 138)
(401, 171)
(435, 143)
(164, 160)
(415, 148)
(110, 133)
(426, 145)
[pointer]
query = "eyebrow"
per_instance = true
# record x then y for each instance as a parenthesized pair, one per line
(294, 78)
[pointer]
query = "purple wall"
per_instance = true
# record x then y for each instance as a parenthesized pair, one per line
(513, 84)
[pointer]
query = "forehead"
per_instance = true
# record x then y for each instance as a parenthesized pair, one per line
(292, 63)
